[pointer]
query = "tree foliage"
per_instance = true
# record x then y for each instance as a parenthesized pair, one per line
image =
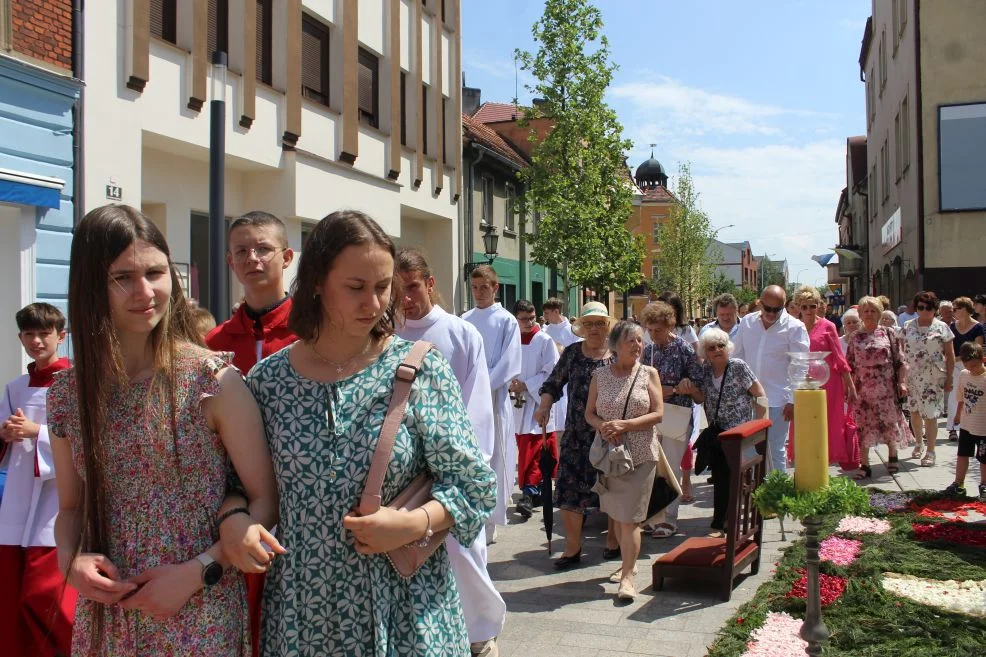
(685, 263)
(577, 183)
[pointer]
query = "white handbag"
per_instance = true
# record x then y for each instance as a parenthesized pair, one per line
(676, 424)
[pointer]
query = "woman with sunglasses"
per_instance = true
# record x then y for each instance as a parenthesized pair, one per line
(931, 363)
(839, 390)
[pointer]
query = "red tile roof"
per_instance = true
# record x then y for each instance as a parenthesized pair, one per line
(476, 131)
(657, 194)
(497, 112)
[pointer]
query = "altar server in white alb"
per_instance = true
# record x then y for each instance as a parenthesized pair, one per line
(560, 329)
(501, 340)
(539, 356)
(37, 607)
(462, 346)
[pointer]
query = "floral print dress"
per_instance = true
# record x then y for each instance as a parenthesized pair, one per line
(923, 350)
(160, 508)
(576, 476)
(322, 597)
(872, 359)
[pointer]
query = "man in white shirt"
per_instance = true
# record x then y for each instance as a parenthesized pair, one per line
(461, 344)
(560, 330)
(501, 340)
(539, 356)
(763, 341)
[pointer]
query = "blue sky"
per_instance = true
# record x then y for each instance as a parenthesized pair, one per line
(758, 96)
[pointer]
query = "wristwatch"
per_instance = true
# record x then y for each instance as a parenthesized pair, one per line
(212, 571)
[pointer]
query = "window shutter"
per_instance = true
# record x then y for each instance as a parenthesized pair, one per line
(163, 19)
(311, 63)
(264, 34)
(213, 28)
(367, 86)
(157, 18)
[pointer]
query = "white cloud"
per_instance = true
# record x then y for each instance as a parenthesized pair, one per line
(693, 111)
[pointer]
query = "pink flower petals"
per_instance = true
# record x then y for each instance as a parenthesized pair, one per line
(777, 637)
(861, 525)
(840, 551)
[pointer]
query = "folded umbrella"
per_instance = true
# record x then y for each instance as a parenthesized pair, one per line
(547, 463)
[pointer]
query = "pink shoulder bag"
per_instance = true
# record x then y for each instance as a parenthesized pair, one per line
(407, 559)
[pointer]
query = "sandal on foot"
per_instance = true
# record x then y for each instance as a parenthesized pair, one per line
(617, 575)
(663, 530)
(916, 454)
(928, 460)
(864, 472)
(893, 465)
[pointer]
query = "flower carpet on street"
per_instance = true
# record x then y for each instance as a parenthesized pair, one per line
(777, 637)
(906, 579)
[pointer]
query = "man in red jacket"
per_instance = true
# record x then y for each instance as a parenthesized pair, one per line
(258, 255)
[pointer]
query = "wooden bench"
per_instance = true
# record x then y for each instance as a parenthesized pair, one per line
(723, 559)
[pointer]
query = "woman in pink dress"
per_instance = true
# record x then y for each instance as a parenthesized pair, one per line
(839, 390)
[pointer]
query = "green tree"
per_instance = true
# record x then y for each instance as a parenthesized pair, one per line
(684, 260)
(577, 182)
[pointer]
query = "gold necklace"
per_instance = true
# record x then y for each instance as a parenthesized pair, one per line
(340, 367)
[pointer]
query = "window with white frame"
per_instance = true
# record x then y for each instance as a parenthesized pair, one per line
(487, 217)
(508, 222)
(962, 156)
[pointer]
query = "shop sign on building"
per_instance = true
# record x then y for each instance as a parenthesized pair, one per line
(890, 233)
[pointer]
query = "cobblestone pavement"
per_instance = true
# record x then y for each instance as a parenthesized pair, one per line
(575, 613)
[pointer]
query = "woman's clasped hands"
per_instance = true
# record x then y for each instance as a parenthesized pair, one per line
(612, 431)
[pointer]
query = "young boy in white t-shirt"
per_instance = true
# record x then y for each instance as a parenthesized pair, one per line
(971, 411)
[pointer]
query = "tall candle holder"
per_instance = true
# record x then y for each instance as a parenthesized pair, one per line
(808, 372)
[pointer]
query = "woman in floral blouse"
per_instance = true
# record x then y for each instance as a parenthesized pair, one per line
(930, 368)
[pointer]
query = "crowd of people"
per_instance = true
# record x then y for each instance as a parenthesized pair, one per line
(187, 488)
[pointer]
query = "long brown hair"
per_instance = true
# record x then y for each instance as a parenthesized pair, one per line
(326, 241)
(100, 238)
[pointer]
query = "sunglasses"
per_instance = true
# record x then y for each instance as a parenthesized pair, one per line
(771, 309)
(809, 306)
(921, 306)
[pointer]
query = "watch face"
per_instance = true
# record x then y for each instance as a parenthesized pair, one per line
(212, 574)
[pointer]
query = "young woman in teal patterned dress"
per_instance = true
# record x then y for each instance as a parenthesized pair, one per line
(142, 430)
(323, 401)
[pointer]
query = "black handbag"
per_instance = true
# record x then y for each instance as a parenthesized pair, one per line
(706, 446)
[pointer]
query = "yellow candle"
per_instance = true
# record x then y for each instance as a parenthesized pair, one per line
(811, 440)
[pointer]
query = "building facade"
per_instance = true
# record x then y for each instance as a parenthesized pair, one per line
(331, 104)
(39, 90)
(926, 146)
(495, 149)
(852, 220)
(652, 202)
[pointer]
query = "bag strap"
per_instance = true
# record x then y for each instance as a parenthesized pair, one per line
(630, 392)
(407, 371)
(722, 383)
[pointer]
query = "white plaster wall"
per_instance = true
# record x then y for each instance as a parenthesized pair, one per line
(322, 188)
(372, 152)
(433, 239)
(426, 45)
(17, 270)
(323, 9)
(371, 27)
(320, 130)
(407, 35)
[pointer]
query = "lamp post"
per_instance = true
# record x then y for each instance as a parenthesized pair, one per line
(218, 272)
(490, 240)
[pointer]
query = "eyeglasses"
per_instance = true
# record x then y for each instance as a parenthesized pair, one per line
(771, 309)
(262, 253)
(809, 306)
(921, 306)
(593, 325)
(716, 346)
(526, 320)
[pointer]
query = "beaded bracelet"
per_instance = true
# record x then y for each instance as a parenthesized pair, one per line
(426, 539)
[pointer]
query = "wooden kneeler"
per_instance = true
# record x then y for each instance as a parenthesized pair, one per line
(723, 559)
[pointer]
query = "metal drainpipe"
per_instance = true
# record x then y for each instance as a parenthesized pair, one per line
(470, 226)
(78, 115)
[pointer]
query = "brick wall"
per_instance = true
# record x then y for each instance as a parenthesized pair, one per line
(42, 29)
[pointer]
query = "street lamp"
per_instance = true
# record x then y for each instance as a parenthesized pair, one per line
(218, 272)
(490, 241)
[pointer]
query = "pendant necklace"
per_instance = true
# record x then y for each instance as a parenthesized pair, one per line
(340, 367)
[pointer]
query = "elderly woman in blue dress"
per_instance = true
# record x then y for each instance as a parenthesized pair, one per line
(323, 402)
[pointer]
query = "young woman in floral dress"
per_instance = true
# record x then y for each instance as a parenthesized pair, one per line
(142, 430)
(878, 372)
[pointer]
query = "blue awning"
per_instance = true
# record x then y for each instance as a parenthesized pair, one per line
(25, 194)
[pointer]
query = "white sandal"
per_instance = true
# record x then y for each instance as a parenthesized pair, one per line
(617, 575)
